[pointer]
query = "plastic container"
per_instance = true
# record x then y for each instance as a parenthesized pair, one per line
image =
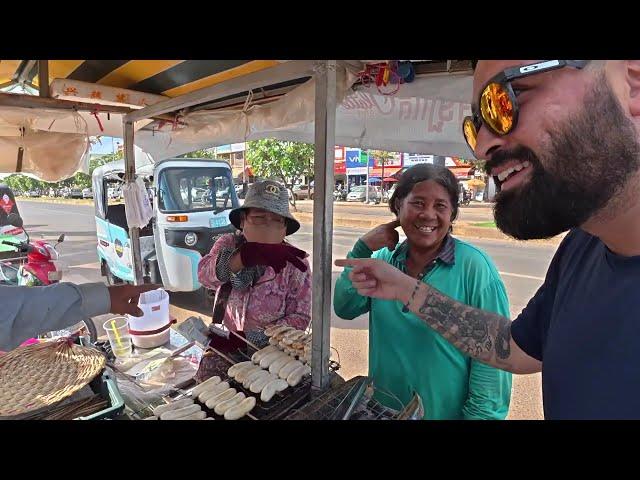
(155, 308)
(152, 328)
(151, 340)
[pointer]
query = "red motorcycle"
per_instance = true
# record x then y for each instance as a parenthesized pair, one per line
(40, 269)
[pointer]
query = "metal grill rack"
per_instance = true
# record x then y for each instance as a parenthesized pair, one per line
(353, 400)
(281, 403)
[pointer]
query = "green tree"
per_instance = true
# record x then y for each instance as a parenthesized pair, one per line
(480, 165)
(283, 161)
(82, 180)
(20, 182)
(383, 158)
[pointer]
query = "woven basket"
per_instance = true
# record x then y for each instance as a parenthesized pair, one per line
(41, 375)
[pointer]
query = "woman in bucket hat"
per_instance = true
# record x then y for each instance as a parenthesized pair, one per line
(259, 279)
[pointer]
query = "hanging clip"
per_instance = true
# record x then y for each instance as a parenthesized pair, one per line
(176, 121)
(20, 151)
(247, 102)
(95, 114)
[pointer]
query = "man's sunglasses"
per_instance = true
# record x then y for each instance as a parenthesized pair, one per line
(498, 107)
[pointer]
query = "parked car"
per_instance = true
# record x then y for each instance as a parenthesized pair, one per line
(87, 193)
(75, 193)
(359, 194)
(302, 192)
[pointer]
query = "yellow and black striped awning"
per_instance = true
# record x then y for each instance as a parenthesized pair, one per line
(161, 77)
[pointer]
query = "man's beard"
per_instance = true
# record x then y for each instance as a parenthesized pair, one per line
(591, 157)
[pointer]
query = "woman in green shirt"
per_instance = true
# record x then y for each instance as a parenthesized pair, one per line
(406, 355)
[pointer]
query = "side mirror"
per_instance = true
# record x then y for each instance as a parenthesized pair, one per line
(15, 220)
(61, 238)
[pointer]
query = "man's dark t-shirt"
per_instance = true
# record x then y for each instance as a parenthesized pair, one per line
(584, 325)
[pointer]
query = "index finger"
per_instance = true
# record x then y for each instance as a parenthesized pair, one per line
(358, 263)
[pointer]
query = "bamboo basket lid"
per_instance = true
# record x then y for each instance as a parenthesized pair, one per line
(40, 375)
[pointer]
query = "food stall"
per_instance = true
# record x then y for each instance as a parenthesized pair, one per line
(298, 100)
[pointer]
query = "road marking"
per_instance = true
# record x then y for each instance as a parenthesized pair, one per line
(531, 277)
(86, 265)
(76, 253)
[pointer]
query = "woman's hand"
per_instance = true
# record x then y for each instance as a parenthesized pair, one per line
(384, 235)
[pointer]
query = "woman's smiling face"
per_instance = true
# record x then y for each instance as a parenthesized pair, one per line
(425, 215)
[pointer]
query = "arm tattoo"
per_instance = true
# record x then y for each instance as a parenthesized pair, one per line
(482, 335)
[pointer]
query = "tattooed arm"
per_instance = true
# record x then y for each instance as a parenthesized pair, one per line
(482, 335)
(478, 333)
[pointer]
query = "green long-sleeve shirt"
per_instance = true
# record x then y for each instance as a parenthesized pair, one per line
(406, 355)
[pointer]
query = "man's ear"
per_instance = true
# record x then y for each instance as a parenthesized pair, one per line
(633, 79)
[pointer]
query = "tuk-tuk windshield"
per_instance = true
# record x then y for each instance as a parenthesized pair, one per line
(194, 189)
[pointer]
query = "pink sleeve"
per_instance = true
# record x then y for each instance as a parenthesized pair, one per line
(298, 309)
(207, 266)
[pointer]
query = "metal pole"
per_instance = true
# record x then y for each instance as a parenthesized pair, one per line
(325, 118)
(366, 188)
(129, 177)
(43, 78)
(244, 165)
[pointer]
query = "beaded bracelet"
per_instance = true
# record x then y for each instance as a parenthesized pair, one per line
(405, 308)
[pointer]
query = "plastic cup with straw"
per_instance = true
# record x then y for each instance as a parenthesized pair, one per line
(118, 333)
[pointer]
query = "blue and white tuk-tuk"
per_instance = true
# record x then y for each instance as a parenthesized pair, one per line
(192, 199)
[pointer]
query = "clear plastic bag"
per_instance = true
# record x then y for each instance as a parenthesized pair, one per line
(157, 378)
(137, 204)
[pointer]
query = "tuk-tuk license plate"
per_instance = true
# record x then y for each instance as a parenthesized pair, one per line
(217, 222)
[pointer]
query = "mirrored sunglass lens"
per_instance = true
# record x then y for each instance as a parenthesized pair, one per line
(496, 108)
(470, 133)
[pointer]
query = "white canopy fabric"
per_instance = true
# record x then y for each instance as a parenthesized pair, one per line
(424, 116)
(53, 144)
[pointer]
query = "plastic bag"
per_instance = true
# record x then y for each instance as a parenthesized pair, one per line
(137, 205)
(155, 379)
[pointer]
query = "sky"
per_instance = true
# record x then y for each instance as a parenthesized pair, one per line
(109, 145)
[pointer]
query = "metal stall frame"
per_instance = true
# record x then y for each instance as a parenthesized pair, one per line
(324, 73)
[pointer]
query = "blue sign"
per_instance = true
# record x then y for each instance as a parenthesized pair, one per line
(352, 159)
(357, 159)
